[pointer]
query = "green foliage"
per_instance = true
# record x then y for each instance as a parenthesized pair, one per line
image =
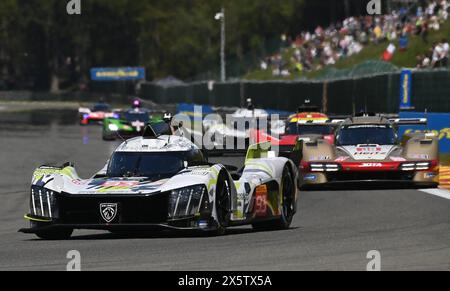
(41, 44)
(445, 159)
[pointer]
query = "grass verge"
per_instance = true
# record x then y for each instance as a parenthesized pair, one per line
(445, 159)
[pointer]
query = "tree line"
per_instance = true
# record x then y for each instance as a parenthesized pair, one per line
(44, 48)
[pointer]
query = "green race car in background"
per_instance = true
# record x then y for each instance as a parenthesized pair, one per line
(130, 123)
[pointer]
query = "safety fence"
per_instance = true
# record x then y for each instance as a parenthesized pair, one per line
(429, 90)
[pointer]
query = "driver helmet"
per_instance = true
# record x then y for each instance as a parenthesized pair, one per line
(250, 105)
(136, 103)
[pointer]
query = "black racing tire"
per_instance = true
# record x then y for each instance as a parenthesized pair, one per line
(53, 234)
(222, 203)
(287, 204)
(108, 137)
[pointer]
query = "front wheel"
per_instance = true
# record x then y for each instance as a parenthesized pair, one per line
(222, 203)
(287, 205)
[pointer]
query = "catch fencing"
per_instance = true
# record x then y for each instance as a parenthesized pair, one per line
(430, 90)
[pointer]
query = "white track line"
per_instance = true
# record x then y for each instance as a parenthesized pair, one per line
(438, 192)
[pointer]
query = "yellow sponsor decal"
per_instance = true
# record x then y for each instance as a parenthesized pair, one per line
(406, 89)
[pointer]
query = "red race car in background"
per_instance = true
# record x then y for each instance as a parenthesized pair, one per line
(306, 126)
(97, 114)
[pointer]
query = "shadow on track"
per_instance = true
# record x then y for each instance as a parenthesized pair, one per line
(162, 235)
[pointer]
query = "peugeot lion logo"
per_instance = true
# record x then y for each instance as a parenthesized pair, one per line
(108, 211)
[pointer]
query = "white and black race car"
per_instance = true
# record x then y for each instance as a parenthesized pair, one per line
(164, 182)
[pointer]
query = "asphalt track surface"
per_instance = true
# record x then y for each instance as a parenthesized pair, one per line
(333, 230)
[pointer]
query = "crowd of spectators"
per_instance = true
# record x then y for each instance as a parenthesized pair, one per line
(436, 57)
(311, 51)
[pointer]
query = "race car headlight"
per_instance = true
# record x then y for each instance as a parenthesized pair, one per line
(416, 166)
(185, 202)
(113, 127)
(43, 202)
(324, 167)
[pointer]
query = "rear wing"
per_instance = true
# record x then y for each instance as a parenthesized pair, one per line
(265, 150)
(409, 121)
(258, 151)
(331, 121)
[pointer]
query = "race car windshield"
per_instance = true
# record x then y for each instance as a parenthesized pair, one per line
(298, 129)
(366, 134)
(161, 128)
(136, 116)
(101, 107)
(150, 165)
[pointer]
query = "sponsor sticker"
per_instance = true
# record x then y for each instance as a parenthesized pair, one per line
(371, 165)
(341, 159)
(430, 175)
(122, 184)
(420, 156)
(320, 158)
(261, 200)
(310, 177)
(368, 149)
(398, 159)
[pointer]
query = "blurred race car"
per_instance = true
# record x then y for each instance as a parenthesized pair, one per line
(128, 123)
(163, 182)
(97, 114)
(305, 126)
(368, 149)
(233, 135)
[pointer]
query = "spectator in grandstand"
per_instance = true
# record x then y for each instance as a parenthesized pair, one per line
(438, 53)
(310, 51)
(427, 61)
(424, 29)
(403, 42)
(445, 53)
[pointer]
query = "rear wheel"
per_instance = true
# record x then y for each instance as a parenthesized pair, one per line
(287, 205)
(108, 137)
